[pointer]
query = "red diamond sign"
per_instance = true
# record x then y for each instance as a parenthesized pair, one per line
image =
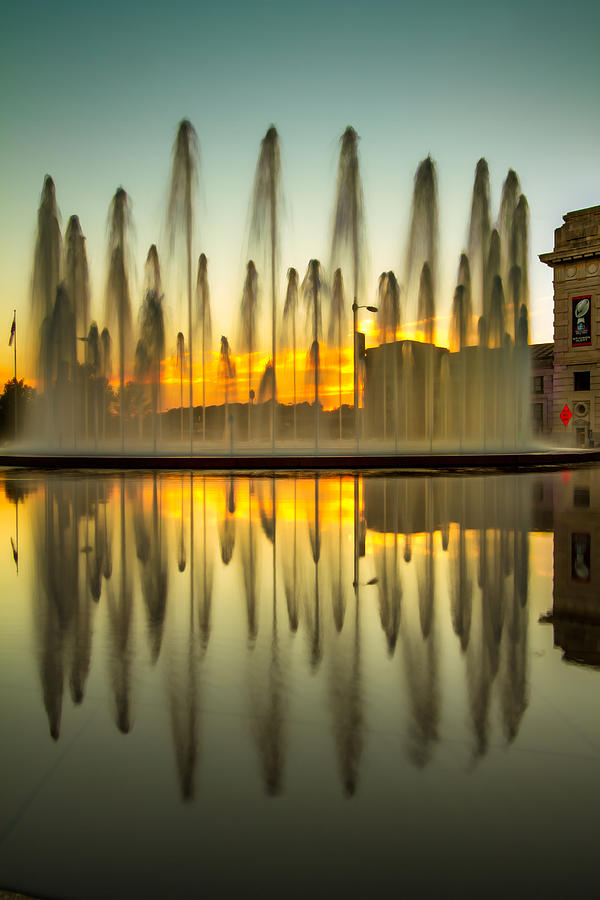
(565, 415)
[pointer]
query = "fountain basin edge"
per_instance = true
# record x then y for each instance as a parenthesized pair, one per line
(510, 461)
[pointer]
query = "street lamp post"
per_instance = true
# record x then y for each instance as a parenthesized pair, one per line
(355, 307)
(84, 341)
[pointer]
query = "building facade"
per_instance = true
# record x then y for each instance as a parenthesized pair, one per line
(575, 262)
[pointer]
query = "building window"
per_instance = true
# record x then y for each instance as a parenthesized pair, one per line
(538, 384)
(581, 497)
(538, 416)
(581, 381)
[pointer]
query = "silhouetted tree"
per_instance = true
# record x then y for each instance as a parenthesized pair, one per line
(24, 395)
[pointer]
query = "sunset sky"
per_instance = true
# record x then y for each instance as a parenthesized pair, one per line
(92, 94)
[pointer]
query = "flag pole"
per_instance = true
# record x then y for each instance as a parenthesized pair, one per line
(16, 382)
(13, 342)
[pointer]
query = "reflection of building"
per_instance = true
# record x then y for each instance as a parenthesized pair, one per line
(576, 609)
(575, 261)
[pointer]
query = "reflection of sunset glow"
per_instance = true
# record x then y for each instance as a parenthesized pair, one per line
(295, 498)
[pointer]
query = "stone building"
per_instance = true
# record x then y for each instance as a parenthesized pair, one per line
(575, 261)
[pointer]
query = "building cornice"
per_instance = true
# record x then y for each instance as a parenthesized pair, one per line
(573, 255)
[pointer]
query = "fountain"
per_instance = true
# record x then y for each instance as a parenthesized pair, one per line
(406, 394)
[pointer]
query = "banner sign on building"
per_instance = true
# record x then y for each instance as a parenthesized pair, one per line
(580, 557)
(581, 321)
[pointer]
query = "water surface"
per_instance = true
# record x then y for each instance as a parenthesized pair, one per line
(299, 685)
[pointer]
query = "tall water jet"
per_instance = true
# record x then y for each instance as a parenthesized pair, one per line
(264, 230)
(523, 327)
(46, 273)
(426, 305)
(464, 278)
(493, 376)
(105, 370)
(312, 286)
(180, 223)
(408, 375)
(93, 365)
(348, 240)
(522, 377)
(520, 254)
(460, 327)
(180, 361)
(461, 336)
(118, 304)
(423, 232)
(493, 267)
(150, 350)
(513, 299)
(203, 315)
(479, 232)
(458, 321)
(152, 276)
(93, 351)
(388, 303)
(77, 284)
(461, 321)
(290, 312)
(313, 365)
(226, 376)
(76, 275)
(426, 326)
(60, 354)
(247, 332)
(508, 204)
(336, 330)
(497, 318)
(267, 389)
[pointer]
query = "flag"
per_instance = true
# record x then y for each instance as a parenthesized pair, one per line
(13, 330)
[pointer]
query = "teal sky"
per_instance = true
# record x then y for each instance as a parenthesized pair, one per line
(92, 94)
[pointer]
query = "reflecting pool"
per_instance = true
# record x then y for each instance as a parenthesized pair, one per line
(299, 685)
